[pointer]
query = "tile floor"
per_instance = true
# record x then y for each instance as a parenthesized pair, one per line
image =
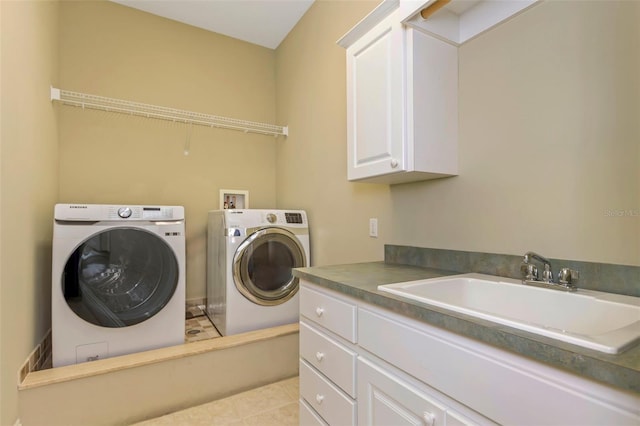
(275, 404)
(198, 327)
(271, 405)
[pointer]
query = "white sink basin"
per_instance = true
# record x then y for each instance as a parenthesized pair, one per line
(602, 321)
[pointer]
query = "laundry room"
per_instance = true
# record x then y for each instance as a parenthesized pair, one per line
(85, 156)
(53, 153)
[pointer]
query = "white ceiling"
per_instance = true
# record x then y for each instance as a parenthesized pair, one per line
(262, 22)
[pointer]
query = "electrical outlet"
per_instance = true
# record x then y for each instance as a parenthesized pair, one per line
(373, 227)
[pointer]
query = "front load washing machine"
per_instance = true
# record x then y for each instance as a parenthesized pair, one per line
(250, 254)
(118, 280)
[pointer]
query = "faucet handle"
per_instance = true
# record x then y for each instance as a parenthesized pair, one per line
(529, 271)
(547, 275)
(567, 276)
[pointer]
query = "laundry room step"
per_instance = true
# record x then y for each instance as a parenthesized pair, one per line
(129, 388)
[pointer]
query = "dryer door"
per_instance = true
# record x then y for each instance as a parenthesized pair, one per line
(262, 266)
(120, 277)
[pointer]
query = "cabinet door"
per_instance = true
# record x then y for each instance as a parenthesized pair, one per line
(375, 102)
(384, 399)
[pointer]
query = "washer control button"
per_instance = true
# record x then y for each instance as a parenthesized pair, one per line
(271, 218)
(124, 212)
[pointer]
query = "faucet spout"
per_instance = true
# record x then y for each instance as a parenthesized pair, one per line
(531, 255)
(529, 271)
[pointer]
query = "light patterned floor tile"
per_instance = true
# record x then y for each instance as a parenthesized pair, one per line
(287, 415)
(260, 399)
(199, 328)
(275, 404)
(292, 387)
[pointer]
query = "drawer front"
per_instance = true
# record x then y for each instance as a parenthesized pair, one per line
(456, 419)
(332, 313)
(332, 359)
(308, 417)
(335, 407)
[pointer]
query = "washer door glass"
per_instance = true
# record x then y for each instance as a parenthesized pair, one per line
(120, 277)
(262, 266)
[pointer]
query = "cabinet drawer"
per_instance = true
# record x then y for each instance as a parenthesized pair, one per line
(308, 417)
(332, 359)
(456, 419)
(325, 398)
(332, 313)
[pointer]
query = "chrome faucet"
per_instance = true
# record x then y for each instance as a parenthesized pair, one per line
(547, 275)
(529, 271)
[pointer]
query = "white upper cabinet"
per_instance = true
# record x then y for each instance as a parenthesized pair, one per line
(375, 102)
(402, 111)
(402, 87)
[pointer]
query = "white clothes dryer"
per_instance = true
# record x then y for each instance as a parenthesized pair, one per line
(118, 280)
(250, 255)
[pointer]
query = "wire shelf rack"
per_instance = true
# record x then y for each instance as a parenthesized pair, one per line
(102, 103)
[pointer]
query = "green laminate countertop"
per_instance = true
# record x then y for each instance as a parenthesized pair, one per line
(361, 281)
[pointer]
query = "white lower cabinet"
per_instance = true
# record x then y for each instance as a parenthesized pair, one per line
(327, 358)
(500, 385)
(386, 399)
(382, 368)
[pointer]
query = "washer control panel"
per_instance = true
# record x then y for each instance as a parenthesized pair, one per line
(141, 213)
(124, 212)
(114, 212)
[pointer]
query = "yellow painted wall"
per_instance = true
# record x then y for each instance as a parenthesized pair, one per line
(549, 141)
(118, 52)
(549, 153)
(28, 184)
(312, 162)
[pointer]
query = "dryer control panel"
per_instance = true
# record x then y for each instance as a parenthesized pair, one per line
(256, 218)
(293, 217)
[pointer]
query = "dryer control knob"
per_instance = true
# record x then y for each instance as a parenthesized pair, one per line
(124, 212)
(271, 218)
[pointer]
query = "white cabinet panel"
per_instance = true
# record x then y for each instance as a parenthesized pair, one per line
(432, 103)
(375, 100)
(504, 387)
(385, 400)
(308, 417)
(457, 419)
(329, 357)
(325, 398)
(334, 314)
